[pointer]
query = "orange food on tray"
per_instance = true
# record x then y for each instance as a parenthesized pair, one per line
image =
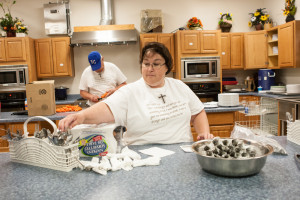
(69, 108)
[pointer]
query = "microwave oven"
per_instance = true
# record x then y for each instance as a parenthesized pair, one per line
(13, 77)
(205, 69)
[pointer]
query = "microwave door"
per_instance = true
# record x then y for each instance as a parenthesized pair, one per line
(197, 69)
(9, 77)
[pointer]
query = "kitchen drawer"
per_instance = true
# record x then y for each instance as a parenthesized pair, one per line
(223, 118)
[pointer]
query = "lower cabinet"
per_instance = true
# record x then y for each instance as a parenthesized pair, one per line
(221, 124)
(19, 126)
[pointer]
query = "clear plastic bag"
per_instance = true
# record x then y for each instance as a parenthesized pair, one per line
(245, 133)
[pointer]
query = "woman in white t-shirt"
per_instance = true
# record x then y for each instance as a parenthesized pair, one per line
(154, 109)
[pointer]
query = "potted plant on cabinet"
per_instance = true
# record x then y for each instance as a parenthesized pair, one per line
(289, 10)
(194, 24)
(8, 22)
(225, 22)
(21, 29)
(258, 19)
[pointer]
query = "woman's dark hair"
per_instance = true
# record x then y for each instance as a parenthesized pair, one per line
(160, 49)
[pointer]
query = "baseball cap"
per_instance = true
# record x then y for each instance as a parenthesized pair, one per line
(95, 60)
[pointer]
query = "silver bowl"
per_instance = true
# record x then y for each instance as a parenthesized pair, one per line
(233, 167)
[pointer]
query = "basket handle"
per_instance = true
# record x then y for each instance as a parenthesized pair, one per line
(35, 117)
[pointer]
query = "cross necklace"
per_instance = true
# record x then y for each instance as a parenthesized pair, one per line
(162, 97)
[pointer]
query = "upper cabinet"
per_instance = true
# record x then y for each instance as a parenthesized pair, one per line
(232, 48)
(288, 44)
(54, 57)
(198, 42)
(283, 46)
(272, 48)
(19, 51)
(165, 38)
(256, 50)
(12, 49)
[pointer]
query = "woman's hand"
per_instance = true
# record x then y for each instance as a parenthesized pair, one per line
(70, 121)
(205, 136)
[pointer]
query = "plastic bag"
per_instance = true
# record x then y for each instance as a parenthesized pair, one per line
(245, 133)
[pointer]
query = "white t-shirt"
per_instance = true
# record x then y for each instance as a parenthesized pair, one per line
(98, 84)
(148, 119)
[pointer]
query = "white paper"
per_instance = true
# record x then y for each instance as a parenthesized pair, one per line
(157, 152)
(187, 148)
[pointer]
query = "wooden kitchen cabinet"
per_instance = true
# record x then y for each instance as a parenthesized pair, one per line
(54, 57)
(220, 124)
(232, 50)
(165, 38)
(199, 42)
(13, 127)
(255, 50)
(12, 49)
(194, 43)
(272, 40)
(288, 44)
(19, 51)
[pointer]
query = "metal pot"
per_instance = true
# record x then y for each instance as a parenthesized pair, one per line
(61, 93)
(233, 167)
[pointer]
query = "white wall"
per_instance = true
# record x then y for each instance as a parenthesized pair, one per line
(175, 14)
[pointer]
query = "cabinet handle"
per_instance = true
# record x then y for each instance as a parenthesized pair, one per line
(191, 44)
(61, 64)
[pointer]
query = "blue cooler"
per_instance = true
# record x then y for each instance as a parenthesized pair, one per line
(266, 78)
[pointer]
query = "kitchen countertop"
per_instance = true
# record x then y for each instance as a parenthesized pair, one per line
(179, 176)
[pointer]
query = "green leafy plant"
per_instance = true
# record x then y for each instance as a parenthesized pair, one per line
(7, 22)
(259, 17)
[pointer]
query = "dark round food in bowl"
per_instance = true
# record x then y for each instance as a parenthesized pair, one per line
(230, 166)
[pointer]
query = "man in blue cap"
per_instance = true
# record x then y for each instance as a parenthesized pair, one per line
(100, 78)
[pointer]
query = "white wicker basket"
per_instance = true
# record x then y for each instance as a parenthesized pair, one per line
(40, 152)
(293, 131)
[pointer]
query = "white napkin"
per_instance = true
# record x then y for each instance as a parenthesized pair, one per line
(153, 160)
(187, 148)
(157, 152)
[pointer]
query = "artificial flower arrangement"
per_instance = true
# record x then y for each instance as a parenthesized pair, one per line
(194, 22)
(289, 8)
(225, 19)
(259, 17)
(225, 22)
(20, 27)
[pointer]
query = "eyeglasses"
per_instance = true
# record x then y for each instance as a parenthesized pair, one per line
(154, 65)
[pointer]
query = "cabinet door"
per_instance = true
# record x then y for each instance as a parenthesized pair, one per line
(146, 38)
(61, 56)
(190, 42)
(2, 50)
(44, 63)
(221, 131)
(286, 45)
(210, 42)
(225, 50)
(15, 49)
(237, 50)
(168, 40)
(255, 50)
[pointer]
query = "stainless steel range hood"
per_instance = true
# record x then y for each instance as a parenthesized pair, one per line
(105, 34)
(104, 37)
